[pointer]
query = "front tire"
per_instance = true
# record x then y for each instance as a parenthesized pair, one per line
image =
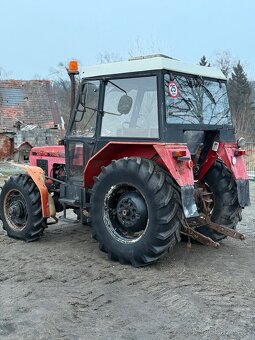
(135, 211)
(20, 209)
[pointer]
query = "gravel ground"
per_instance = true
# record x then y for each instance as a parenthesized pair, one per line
(63, 287)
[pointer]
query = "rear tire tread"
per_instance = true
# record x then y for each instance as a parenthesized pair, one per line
(227, 210)
(166, 201)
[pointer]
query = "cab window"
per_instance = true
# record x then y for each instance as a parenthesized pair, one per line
(130, 108)
(84, 123)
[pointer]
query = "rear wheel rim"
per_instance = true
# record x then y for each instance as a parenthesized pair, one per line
(15, 210)
(125, 213)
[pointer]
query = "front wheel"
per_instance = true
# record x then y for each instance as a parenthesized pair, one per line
(20, 209)
(135, 211)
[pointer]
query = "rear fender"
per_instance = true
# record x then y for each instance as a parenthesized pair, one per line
(226, 152)
(37, 175)
(235, 164)
(114, 151)
(180, 170)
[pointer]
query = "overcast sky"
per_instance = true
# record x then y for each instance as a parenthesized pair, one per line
(36, 35)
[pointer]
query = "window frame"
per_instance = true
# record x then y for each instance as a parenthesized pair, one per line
(104, 79)
(123, 77)
(75, 110)
(189, 126)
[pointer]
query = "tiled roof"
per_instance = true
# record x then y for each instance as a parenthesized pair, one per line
(30, 101)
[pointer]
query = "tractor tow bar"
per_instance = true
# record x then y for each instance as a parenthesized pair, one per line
(188, 229)
(206, 221)
(195, 235)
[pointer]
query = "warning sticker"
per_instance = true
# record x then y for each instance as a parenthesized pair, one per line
(173, 89)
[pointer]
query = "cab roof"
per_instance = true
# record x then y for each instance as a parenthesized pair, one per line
(151, 63)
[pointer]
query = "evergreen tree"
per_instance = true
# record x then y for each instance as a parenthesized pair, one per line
(241, 106)
(204, 62)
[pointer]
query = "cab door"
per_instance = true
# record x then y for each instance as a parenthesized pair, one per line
(80, 138)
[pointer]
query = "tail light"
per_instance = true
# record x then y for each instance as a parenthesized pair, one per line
(179, 153)
(240, 152)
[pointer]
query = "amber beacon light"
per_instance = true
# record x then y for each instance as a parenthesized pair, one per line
(73, 67)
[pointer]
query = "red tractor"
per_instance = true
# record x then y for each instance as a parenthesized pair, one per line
(149, 155)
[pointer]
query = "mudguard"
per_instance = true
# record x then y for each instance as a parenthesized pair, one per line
(181, 171)
(37, 175)
(162, 153)
(235, 164)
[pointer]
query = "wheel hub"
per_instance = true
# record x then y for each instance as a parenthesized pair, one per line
(16, 210)
(132, 212)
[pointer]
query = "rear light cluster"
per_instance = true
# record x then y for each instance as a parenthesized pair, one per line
(179, 153)
(239, 152)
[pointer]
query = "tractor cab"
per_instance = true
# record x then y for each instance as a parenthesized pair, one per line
(153, 98)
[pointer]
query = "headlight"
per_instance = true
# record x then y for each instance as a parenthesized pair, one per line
(241, 142)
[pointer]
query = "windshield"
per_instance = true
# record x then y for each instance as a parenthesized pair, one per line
(195, 100)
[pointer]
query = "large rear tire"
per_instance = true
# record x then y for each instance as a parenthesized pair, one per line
(20, 209)
(135, 211)
(226, 209)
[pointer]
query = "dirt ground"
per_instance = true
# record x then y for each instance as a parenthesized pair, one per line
(64, 287)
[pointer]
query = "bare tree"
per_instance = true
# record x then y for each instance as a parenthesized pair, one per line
(107, 57)
(4, 74)
(62, 89)
(139, 48)
(224, 61)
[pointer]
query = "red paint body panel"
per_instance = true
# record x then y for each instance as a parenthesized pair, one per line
(226, 152)
(53, 154)
(50, 151)
(162, 153)
(179, 169)
(115, 150)
(211, 158)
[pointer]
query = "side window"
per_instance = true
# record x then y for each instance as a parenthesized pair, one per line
(76, 159)
(130, 108)
(84, 123)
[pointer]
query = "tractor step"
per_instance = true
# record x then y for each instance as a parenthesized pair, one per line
(67, 201)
